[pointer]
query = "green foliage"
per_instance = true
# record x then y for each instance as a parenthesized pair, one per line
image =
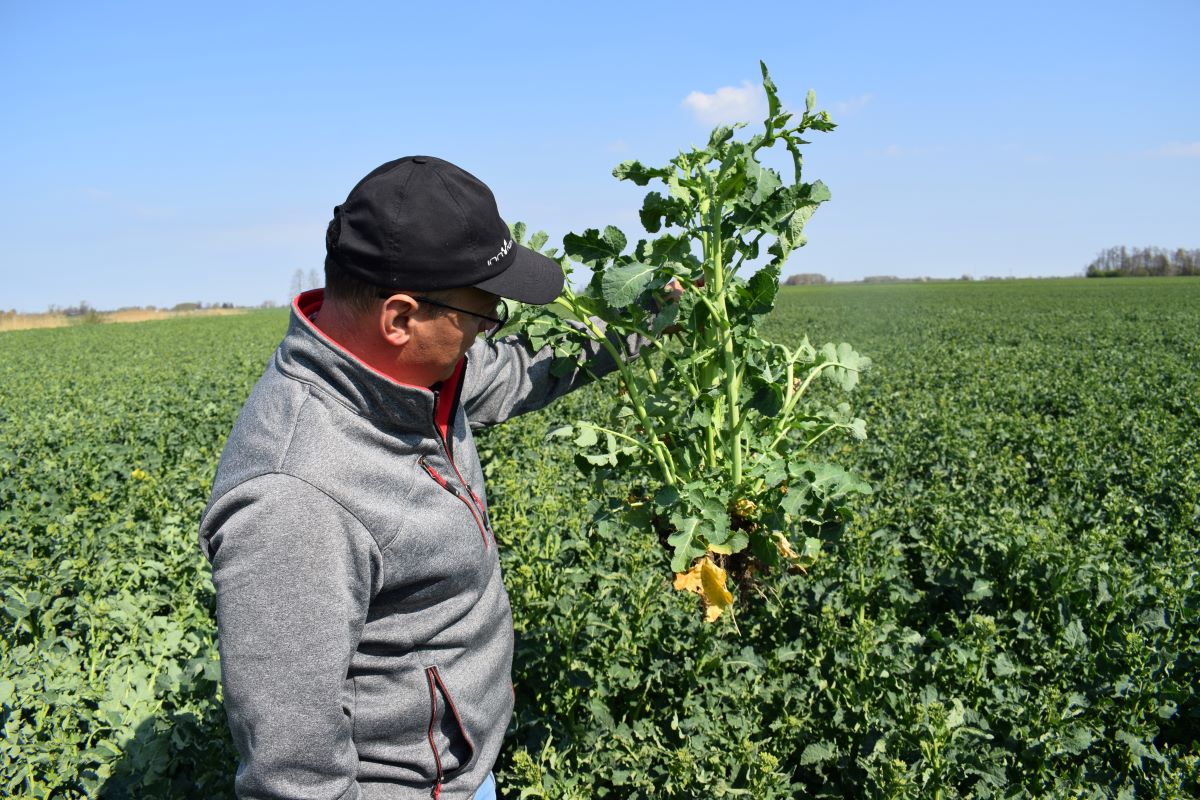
(110, 440)
(1011, 614)
(727, 446)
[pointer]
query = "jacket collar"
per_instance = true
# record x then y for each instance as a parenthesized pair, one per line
(309, 355)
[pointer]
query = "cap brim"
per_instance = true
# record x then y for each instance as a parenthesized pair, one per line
(531, 278)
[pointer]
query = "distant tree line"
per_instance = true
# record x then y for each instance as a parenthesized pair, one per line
(1144, 261)
(816, 279)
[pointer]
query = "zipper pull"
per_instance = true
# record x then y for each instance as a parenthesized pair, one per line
(445, 484)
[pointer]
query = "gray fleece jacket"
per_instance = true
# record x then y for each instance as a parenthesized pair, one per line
(365, 634)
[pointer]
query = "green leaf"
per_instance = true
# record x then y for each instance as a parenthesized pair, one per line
(817, 752)
(980, 590)
(615, 239)
(665, 318)
(666, 497)
(761, 182)
(518, 232)
(656, 209)
(762, 288)
(775, 472)
(679, 190)
(561, 432)
(684, 541)
(1137, 748)
(638, 172)
(1076, 739)
(587, 436)
(795, 500)
(621, 285)
(592, 248)
(670, 249)
(1074, 636)
(737, 541)
(773, 104)
(793, 235)
(811, 550)
(720, 135)
(1003, 666)
(810, 102)
(848, 364)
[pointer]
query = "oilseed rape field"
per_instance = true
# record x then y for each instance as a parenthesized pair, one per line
(1011, 612)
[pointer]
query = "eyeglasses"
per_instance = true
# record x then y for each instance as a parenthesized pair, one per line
(497, 322)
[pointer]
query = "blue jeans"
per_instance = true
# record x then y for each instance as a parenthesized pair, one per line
(488, 790)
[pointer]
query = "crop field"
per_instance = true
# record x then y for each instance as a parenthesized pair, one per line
(1011, 613)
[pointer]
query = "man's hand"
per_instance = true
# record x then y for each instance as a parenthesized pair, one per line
(674, 290)
(673, 294)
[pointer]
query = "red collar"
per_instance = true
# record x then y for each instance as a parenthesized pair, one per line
(306, 306)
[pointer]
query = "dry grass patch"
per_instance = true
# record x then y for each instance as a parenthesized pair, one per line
(10, 321)
(16, 322)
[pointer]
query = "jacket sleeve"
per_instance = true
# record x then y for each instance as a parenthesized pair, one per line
(504, 379)
(294, 573)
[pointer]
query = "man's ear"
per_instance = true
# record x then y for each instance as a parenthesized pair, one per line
(395, 317)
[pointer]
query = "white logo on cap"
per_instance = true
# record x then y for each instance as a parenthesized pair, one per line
(503, 252)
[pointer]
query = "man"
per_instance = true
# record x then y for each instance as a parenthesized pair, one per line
(365, 634)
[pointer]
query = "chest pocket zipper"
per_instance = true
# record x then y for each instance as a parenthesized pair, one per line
(454, 490)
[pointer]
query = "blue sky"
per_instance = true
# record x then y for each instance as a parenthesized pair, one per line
(155, 153)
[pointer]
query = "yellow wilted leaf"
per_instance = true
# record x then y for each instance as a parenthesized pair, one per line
(707, 580)
(784, 547)
(716, 597)
(689, 581)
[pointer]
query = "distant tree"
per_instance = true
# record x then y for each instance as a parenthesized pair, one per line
(315, 281)
(1187, 261)
(805, 279)
(881, 279)
(297, 282)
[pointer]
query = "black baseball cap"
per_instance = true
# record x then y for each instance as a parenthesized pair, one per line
(420, 223)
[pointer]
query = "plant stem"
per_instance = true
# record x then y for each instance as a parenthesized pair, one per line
(813, 440)
(619, 435)
(661, 454)
(786, 414)
(733, 438)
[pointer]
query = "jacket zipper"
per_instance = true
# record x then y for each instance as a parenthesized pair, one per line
(446, 447)
(454, 490)
(474, 497)
(434, 680)
(437, 760)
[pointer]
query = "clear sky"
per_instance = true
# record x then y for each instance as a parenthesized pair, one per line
(153, 153)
